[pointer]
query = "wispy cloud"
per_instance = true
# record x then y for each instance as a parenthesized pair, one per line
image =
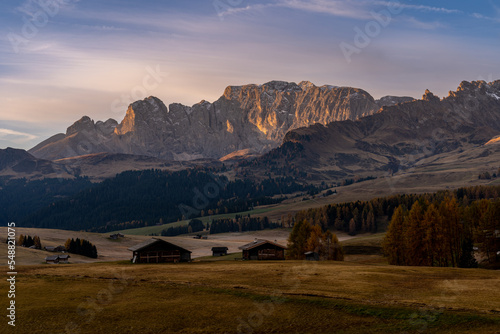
(16, 136)
(425, 25)
(349, 9)
(422, 8)
(484, 17)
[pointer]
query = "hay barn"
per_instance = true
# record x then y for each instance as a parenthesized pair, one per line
(263, 250)
(158, 251)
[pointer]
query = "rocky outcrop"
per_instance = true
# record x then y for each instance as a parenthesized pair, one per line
(252, 117)
(397, 137)
(388, 101)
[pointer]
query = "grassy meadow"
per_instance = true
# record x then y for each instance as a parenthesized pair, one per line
(255, 297)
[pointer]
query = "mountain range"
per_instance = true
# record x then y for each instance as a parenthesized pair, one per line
(255, 118)
(280, 128)
(431, 135)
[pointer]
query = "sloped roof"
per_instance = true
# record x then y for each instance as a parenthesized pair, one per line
(52, 258)
(259, 242)
(153, 241)
(218, 249)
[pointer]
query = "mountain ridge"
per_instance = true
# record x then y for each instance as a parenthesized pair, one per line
(396, 137)
(253, 117)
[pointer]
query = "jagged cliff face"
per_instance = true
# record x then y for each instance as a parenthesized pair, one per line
(399, 137)
(253, 117)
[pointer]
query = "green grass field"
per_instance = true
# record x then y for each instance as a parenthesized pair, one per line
(148, 230)
(255, 297)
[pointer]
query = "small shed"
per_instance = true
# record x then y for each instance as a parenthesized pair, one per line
(157, 250)
(219, 251)
(50, 249)
(60, 249)
(52, 259)
(57, 259)
(64, 258)
(312, 256)
(263, 250)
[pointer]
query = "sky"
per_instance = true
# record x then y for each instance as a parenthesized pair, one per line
(63, 59)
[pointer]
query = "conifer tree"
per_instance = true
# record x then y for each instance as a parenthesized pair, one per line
(394, 242)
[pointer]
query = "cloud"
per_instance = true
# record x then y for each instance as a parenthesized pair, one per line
(422, 8)
(483, 17)
(348, 9)
(425, 25)
(337, 8)
(16, 136)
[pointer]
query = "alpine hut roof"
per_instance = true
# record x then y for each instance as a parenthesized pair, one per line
(152, 241)
(259, 242)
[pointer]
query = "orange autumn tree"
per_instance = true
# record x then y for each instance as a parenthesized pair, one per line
(306, 237)
(437, 234)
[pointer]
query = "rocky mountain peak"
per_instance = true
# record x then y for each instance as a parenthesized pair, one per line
(429, 96)
(305, 85)
(141, 114)
(83, 124)
(281, 86)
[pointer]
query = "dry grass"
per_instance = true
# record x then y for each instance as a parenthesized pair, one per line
(270, 297)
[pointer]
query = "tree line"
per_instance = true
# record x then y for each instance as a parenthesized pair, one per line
(306, 237)
(367, 216)
(195, 225)
(28, 241)
(81, 247)
(241, 224)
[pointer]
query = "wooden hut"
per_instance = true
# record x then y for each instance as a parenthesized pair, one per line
(64, 258)
(55, 259)
(263, 250)
(52, 259)
(219, 251)
(157, 251)
(312, 256)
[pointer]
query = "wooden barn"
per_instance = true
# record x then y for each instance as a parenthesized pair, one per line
(219, 251)
(64, 258)
(263, 250)
(52, 259)
(57, 259)
(157, 251)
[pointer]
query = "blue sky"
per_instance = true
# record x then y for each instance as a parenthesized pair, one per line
(62, 59)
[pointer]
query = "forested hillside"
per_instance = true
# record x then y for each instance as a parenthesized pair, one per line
(141, 198)
(19, 197)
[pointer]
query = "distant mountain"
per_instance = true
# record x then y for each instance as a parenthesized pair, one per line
(454, 130)
(19, 163)
(250, 117)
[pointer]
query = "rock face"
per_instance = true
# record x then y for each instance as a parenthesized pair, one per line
(397, 137)
(252, 117)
